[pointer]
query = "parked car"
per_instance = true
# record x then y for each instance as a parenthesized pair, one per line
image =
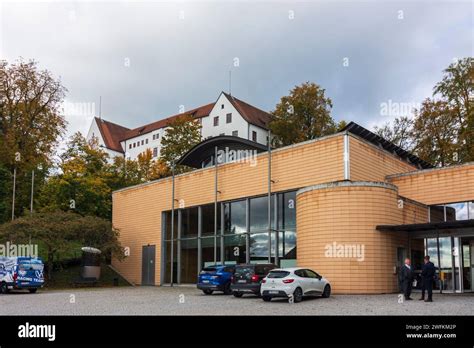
(294, 283)
(21, 273)
(216, 278)
(248, 278)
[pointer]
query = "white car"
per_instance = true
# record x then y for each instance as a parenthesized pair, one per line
(294, 283)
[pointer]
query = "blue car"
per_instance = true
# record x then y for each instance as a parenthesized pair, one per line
(216, 278)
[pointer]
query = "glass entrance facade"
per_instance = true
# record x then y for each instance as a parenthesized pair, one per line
(242, 235)
(452, 255)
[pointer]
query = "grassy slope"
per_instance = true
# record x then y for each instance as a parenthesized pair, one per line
(62, 278)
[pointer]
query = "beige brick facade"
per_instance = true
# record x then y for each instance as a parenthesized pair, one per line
(436, 186)
(345, 214)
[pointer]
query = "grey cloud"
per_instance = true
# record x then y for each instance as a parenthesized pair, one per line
(186, 61)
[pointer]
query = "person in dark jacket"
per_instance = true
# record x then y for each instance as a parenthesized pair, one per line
(427, 276)
(406, 275)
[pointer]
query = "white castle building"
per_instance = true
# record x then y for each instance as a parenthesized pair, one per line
(227, 116)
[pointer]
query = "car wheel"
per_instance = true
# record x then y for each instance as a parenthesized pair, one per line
(3, 288)
(207, 292)
(266, 298)
(238, 294)
(327, 291)
(227, 290)
(32, 291)
(297, 295)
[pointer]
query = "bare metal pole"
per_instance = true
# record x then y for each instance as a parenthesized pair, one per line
(215, 205)
(172, 222)
(14, 191)
(269, 198)
(32, 190)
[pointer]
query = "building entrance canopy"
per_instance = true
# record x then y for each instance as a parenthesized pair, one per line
(451, 228)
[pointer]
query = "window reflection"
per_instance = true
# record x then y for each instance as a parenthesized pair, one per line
(234, 249)
(242, 234)
(207, 212)
(456, 211)
(452, 212)
(235, 217)
(189, 222)
(259, 213)
(436, 213)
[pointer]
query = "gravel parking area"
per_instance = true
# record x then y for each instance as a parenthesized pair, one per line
(190, 301)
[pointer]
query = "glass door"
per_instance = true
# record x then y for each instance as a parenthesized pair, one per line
(471, 268)
(467, 275)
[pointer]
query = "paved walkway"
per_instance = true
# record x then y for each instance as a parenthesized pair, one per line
(190, 301)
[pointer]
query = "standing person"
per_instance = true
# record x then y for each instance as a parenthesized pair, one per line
(427, 275)
(407, 279)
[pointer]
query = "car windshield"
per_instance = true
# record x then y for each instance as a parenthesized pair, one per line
(208, 270)
(242, 270)
(30, 266)
(278, 274)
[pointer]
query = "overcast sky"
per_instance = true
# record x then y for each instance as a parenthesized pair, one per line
(146, 59)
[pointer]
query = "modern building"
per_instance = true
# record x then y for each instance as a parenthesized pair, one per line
(351, 206)
(226, 116)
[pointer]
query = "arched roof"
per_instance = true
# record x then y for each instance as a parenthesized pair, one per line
(206, 149)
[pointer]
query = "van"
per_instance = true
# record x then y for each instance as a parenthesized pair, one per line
(18, 273)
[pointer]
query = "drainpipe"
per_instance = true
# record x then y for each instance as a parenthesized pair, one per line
(269, 198)
(172, 222)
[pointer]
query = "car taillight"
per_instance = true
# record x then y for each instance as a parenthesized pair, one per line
(254, 278)
(15, 276)
(288, 281)
(264, 280)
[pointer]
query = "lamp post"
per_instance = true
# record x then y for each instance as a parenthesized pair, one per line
(13, 199)
(32, 190)
(172, 223)
(269, 212)
(17, 159)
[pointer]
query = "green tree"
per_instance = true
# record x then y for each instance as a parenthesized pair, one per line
(456, 89)
(442, 130)
(305, 114)
(30, 124)
(181, 134)
(5, 181)
(81, 184)
(435, 133)
(151, 169)
(60, 232)
(399, 133)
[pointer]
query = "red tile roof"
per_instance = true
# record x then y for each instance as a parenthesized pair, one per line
(250, 113)
(199, 112)
(111, 133)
